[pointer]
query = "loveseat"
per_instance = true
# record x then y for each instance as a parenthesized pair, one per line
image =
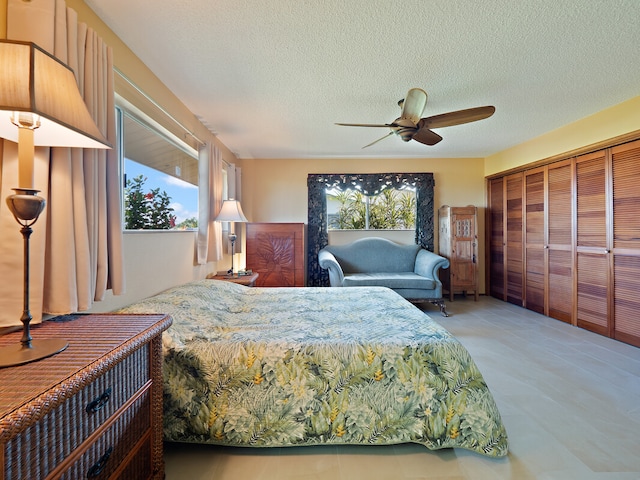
(409, 270)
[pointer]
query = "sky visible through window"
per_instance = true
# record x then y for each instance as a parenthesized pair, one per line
(184, 196)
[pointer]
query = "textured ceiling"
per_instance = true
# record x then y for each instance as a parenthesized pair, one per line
(270, 77)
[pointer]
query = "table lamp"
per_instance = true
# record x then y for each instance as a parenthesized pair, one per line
(231, 211)
(40, 105)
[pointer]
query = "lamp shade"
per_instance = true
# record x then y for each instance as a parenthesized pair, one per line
(33, 81)
(231, 211)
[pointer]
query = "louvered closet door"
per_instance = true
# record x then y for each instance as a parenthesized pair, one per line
(496, 238)
(560, 241)
(514, 246)
(535, 233)
(592, 249)
(626, 242)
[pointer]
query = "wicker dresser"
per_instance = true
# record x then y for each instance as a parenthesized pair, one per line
(91, 411)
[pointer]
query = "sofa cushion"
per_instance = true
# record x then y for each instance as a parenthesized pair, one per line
(390, 280)
(374, 254)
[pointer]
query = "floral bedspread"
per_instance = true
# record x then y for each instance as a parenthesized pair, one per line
(308, 366)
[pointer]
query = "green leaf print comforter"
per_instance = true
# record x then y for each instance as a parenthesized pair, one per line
(269, 367)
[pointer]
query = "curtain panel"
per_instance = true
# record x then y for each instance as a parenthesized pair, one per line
(209, 242)
(76, 250)
(369, 184)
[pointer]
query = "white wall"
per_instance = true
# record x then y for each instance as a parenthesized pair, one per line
(155, 261)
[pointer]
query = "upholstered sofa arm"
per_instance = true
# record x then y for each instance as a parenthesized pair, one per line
(428, 264)
(329, 262)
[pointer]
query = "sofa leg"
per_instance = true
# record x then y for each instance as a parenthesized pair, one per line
(440, 303)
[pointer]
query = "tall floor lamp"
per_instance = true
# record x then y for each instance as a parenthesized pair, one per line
(40, 105)
(231, 211)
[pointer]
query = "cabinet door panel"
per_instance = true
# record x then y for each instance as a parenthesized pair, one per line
(463, 237)
(514, 250)
(559, 208)
(496, 238)
(535, 256)
(592, 247)
(561, 284)
(592, 206)
(626, 242)
(627, 299)
(626, 198)
(592, 292)
(560, 241)
(534, 292)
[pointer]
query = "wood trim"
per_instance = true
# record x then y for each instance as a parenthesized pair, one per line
(487, 240)
(574, 241)
(611, 142)
(609, 223)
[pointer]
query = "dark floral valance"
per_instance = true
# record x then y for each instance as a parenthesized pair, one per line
(369, 184)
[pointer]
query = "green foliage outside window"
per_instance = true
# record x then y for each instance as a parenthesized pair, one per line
(188, 224)
(390, 210)
(146, 211)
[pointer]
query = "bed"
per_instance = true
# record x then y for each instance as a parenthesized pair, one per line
(266, 367)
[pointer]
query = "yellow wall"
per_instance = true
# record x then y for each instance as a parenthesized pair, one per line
(610, 123)
(275, 190)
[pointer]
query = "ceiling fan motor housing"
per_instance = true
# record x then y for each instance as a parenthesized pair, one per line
(404, 128)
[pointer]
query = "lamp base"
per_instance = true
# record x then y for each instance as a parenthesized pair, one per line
(17, 354)
(26, 206)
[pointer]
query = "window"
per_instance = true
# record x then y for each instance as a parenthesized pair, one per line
(391, 209)
(160, 176)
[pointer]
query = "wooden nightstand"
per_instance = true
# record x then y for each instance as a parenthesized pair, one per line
(247, 280)
(93, 410)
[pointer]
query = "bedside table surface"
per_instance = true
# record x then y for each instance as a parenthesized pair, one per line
(247, 280)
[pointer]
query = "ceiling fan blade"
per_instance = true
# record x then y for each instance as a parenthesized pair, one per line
(376, 141)
(388, 125)
(457, 118)
(413, 105)
(426, 136)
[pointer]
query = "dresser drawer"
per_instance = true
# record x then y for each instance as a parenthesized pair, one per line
(126, 440)
(36, 451)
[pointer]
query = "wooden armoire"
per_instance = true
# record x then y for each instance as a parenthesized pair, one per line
(458, 242)
(564, 240)
(276, 252)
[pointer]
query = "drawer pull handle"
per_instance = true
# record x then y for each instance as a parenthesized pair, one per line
(100, 402)
(98, 467)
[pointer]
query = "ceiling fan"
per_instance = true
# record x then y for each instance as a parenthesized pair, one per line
(409, 126)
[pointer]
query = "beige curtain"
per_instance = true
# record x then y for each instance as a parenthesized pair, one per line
(77, 242)
(209, 243)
